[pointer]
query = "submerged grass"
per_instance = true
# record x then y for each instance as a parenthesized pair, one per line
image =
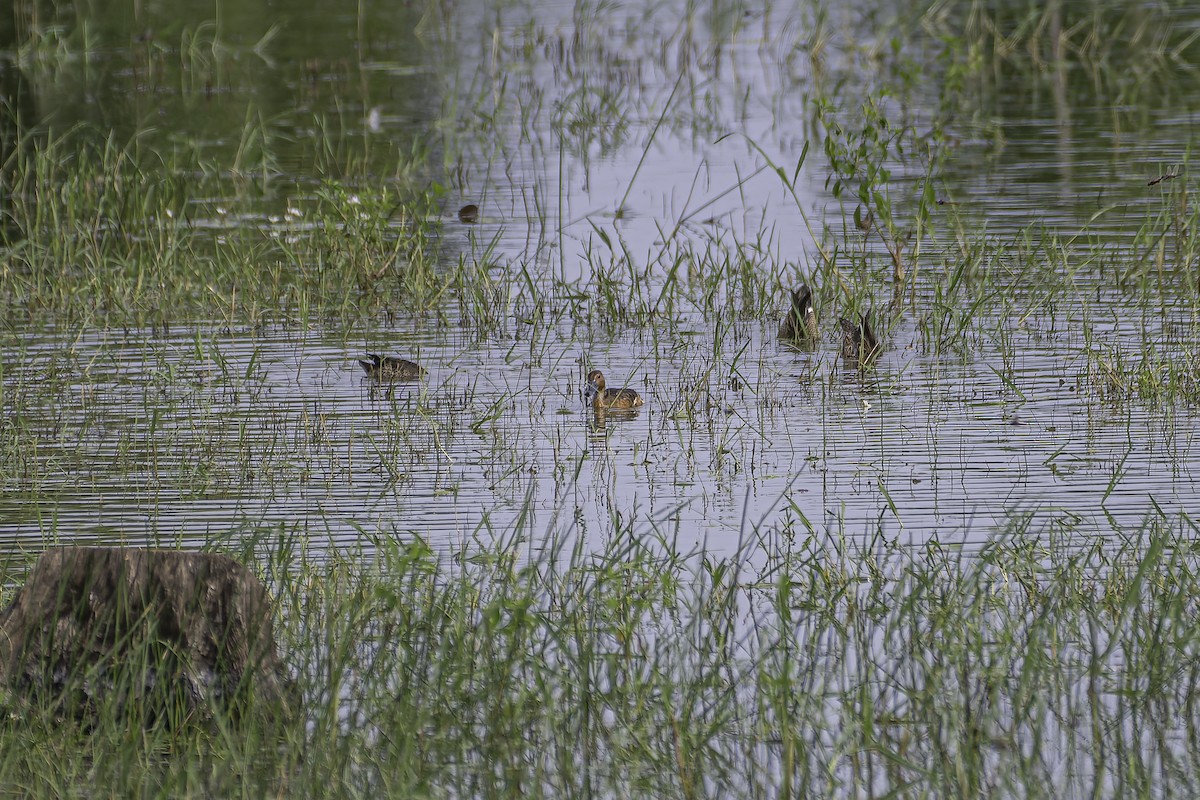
(1039, 666)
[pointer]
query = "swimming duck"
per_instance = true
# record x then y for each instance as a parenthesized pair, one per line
(859, 343)
(389, 368)
(800, 322)
(600, 397)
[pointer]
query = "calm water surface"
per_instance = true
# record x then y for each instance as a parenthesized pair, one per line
(571, 125)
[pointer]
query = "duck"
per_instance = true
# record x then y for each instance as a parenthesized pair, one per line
(603, 398)
(859, 343)
(389, 368)
(800, 322)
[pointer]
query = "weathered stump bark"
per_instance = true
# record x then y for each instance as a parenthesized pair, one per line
(159, 628)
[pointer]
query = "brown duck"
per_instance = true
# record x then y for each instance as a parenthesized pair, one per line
(600, 397)
(859, 343)
(800, 322)
(389, 368)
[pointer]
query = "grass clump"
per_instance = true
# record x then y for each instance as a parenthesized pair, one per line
(109, 238)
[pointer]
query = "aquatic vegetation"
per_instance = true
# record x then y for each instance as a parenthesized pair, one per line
(954, 663)
(776, 573)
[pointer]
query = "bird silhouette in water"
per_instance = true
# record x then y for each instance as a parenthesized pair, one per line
(389, 368)
(859, 343)
(800, 322)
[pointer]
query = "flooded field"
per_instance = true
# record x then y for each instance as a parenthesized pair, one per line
(134, 436)
(211, 215)
(648, 194)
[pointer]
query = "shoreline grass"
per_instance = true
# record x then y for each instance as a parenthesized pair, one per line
(1039, 666)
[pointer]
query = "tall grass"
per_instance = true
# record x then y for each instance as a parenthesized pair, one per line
(115, 240)
(1038, 666)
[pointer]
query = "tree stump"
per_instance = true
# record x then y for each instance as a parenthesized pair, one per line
(165, 630)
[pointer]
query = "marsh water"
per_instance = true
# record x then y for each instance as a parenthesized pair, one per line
(628, 165)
